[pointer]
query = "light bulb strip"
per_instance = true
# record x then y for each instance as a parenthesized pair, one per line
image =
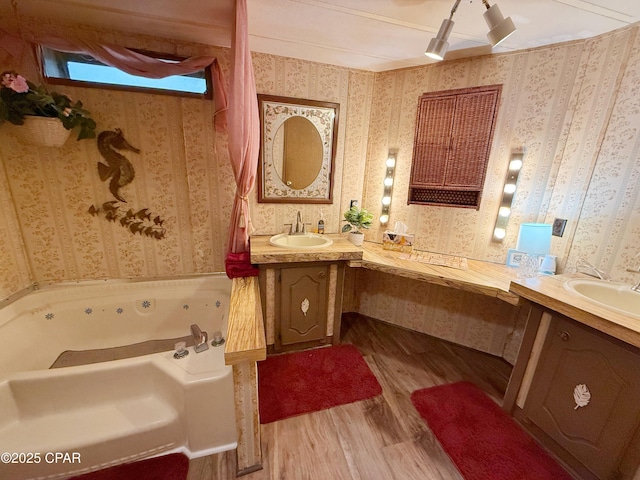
(387, 184)
(508, 192)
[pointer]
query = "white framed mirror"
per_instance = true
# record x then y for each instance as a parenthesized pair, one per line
(297, 150)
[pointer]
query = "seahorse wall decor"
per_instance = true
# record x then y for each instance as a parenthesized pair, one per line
(121, 172)
(118, 167)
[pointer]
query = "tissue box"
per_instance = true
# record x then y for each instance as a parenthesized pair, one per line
(400, 242)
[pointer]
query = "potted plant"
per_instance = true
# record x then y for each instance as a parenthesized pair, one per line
(24, 103)
(357, 219)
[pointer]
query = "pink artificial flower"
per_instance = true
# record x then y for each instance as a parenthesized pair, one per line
(19, 85)
(15, 82)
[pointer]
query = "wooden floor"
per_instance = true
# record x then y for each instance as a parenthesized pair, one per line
(381, 438)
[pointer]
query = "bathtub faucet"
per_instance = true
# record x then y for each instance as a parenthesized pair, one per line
(199, 339)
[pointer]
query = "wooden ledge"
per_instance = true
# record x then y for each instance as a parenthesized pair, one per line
(484, 278)
(246, 340)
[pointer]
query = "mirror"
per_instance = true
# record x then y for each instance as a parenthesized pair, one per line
(297, 150)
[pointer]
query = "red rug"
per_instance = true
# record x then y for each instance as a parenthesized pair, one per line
(174, 466)
(303, 382)
(482, 439)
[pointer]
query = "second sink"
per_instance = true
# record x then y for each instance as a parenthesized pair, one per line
(616, 296)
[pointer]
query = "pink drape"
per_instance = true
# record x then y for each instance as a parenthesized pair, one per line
(132, 62)
(244, 144)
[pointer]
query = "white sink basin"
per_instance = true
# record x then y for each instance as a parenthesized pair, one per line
(307, 240)
(616, 296)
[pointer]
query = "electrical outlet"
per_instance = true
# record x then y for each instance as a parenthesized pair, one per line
(558, 227)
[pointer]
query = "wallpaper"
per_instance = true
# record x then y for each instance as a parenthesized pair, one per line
(574, 107)
(182, 175)
(556, 102)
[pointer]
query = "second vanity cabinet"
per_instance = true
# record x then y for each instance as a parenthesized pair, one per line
(302, 303)
(581, 396)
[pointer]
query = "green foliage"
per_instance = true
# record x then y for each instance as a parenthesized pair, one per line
(20, 98)
(357, 219)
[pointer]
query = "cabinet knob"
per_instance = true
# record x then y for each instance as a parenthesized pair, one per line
(321, 274)
(564, 336)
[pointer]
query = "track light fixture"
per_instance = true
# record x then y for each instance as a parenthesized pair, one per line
(438, 46)
(499, 29)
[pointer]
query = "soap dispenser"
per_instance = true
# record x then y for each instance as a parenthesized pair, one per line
(321, 223)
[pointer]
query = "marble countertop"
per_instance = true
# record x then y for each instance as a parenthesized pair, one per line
(550, 292)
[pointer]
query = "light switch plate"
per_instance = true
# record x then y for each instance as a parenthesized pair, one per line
(558, 227)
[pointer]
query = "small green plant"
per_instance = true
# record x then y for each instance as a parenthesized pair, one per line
(357, 219)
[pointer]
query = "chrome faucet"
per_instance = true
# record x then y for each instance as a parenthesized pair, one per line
(301, 228)
(200, 339)
(585, 267)
(636, 287)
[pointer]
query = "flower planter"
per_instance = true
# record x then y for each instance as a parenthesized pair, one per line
(42, 131)
(356, 238)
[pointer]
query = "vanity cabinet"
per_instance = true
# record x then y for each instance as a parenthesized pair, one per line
(583, 398)
(302, 304)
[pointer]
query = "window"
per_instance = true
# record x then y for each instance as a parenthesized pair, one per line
(84, 70)
(454, 129)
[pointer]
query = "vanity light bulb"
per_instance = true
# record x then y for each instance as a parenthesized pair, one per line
(388, 182)
(510, 188)
(391, 162)
(504, 211)
(499, 233)
(384, 219)
(386, 200)
(515, 164)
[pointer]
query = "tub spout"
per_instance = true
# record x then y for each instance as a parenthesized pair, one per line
(199, 338)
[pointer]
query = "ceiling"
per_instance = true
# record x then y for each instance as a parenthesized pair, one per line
(372, 35)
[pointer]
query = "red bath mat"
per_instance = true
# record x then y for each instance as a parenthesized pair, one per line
(312, 380)
(174, 466)
(482, 439)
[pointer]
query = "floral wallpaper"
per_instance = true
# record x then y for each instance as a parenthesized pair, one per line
(182, 174)
(575, 108)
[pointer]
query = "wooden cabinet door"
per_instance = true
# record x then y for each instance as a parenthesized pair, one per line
(303, 304)
(598, 432)
(432, 145)
(471, 137)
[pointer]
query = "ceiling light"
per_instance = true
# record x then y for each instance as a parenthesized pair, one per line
(438, 46)
(499, 27)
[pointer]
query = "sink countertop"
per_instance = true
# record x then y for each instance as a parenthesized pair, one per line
(341, 249)
(550, 292)
(484, 278)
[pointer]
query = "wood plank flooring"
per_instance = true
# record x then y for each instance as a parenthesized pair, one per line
(380, 438)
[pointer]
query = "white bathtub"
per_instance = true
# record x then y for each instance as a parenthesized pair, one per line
(67, 421)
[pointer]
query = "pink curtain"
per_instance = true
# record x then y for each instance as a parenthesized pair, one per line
(131, 62)
(244, 144)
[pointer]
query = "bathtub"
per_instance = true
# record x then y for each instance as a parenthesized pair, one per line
(57, 422)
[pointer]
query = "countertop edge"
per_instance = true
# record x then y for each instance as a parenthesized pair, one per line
(246, 341)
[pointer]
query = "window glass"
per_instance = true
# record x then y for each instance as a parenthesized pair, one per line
(73, 68)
